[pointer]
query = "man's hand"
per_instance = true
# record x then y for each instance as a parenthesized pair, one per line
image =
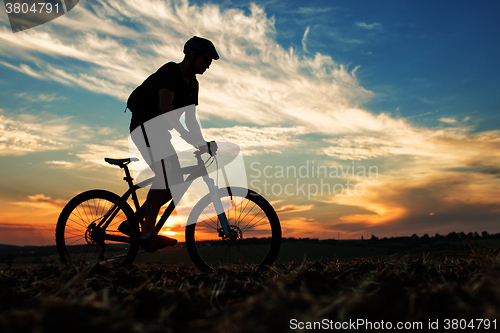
(210, 147)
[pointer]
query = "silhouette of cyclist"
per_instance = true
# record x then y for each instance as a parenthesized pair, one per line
(165, 93)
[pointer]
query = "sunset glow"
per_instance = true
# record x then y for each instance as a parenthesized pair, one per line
(353, 118)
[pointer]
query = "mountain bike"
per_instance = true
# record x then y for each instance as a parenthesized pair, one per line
(228, 226)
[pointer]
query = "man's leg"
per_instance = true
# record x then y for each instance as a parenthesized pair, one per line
(155, 199)
(158, 195)
(158, 145)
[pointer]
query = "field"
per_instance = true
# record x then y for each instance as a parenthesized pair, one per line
(288, 253)
(445, 289)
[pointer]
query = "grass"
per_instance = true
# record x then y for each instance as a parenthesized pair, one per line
(288, 252)
(178, 298)
(320, 251)
(313, 252)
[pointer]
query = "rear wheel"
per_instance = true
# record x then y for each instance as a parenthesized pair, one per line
(255, 231)
(79, 239)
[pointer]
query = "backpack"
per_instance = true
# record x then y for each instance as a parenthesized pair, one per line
(136, 99)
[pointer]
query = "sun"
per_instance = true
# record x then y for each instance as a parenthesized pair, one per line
(168, 232)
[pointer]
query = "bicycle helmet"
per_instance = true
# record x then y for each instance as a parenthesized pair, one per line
(201, 44)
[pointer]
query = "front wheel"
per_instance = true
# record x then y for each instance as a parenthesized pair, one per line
(81, 241)
(254, 227)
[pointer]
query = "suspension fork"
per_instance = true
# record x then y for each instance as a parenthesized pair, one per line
(214, 194)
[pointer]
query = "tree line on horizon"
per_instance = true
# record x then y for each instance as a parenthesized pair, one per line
(452, 236)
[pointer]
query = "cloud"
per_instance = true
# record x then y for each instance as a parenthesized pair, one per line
(256, 81)
(312, 10)
(43, 203)
(370, 26)
(304, 40)
(456, 201)
(272, 97)
(420, 175)
(25, 133)
(39, 97)
(61, 163)
(94, 154)
(293, 208)
(26, 234)
(257, 140)
(448, 120)
(23, 69)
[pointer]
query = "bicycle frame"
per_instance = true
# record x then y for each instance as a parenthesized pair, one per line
(193, 172)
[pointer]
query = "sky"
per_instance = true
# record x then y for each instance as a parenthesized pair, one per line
(355, 118)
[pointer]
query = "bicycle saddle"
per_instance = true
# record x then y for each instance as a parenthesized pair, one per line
(120, 161)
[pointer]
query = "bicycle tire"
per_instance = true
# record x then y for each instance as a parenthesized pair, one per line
(74, 241)
(247, 250)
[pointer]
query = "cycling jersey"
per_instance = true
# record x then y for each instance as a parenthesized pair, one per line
(144, 101)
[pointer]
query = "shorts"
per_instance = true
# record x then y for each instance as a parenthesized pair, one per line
(153, 140)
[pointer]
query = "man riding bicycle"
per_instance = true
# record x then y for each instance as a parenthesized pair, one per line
(166, 93)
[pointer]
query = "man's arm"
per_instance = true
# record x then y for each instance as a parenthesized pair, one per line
(194, 128)
(194, 134)
(166, 99)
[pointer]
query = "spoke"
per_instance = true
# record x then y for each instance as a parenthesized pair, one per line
(82, 223)
(84, 254)
(100, 211)
(75, 244)
(79, 234)
(246, 227)
(240, 248)
(255, 204)
(78, 230)
(88, 208)
(79, 248)
(214, 249)
(209, 219)
(246, 216)
(242, 209)
(254, 248)
(72, 236)
(117, 221)
(75, 240)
